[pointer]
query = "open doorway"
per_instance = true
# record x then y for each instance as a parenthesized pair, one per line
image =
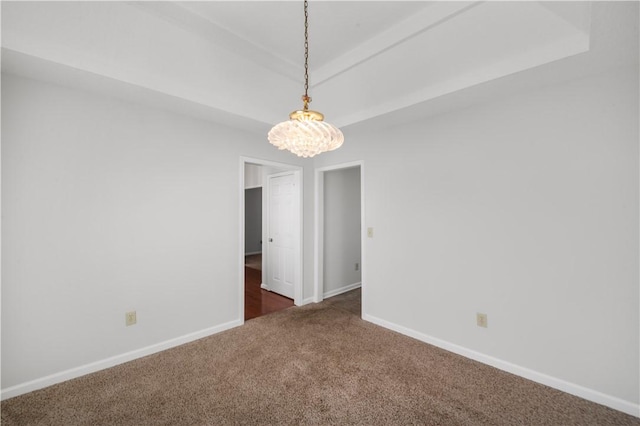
(257, 300)
(271, 237)
(339, 231)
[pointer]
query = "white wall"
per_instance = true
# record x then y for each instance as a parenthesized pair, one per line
(109, 207)
(253, 208)
(341, 230)
(253, 176)
(253, 220)
(526, 209)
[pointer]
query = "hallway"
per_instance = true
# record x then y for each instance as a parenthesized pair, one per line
(257, 301)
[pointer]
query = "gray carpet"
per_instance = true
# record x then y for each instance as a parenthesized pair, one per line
(317, 364)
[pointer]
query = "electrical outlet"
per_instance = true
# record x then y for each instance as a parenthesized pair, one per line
(481, 319)
(130, 318)
(357, 266)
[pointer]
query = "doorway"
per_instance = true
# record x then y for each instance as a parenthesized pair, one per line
(271, 237)
(339, 236)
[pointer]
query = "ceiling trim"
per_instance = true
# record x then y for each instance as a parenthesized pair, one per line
(578, 43)
(402, 31)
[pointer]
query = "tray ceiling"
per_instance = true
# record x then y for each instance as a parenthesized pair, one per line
(241, 62)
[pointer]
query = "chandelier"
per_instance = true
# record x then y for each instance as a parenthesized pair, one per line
(305, 133)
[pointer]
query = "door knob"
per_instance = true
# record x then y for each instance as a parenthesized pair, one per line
(270, 240)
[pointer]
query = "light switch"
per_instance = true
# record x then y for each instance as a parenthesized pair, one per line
(370, 232)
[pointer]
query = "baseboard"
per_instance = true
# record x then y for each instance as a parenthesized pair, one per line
(112, 361)
(302, 303)
(306, 301)
(341, 290)
(568, 387)
(252, 253)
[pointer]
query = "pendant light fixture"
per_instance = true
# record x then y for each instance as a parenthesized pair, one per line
(305, 133)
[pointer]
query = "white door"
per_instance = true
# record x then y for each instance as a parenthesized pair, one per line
(283, 233)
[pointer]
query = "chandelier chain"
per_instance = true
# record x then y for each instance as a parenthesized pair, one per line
(306, 50)
(305, 134)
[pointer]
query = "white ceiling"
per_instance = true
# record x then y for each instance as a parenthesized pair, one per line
(241, 62)
(277, 27)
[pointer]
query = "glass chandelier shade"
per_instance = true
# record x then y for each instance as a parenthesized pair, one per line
(306, 133)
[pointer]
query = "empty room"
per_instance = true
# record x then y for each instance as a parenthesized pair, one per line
(320, 212)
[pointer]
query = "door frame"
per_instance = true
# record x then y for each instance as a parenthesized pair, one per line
(318, 261)
(298, 256)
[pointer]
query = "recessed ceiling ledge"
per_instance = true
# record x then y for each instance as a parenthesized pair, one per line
(570, 46)
(431, 16)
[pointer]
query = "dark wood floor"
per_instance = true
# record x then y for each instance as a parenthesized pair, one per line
(258, 302)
